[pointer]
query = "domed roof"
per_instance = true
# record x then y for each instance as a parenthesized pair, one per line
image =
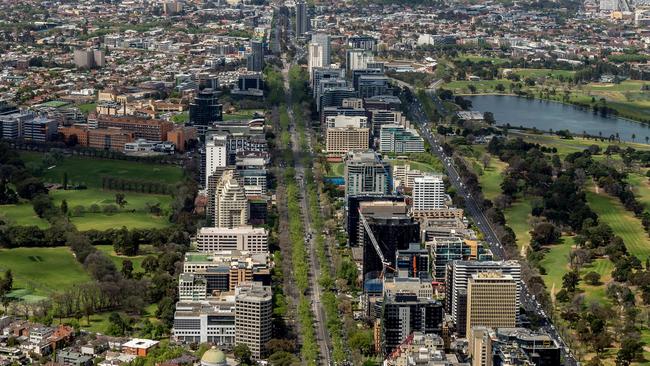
(213, 356)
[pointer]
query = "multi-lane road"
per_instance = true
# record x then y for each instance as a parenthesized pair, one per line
(527, 300)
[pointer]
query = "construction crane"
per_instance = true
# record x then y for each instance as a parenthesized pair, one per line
(384, 264)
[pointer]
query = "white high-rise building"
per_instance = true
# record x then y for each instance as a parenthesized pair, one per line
(323, 39)
(358, 59)
(231, 206)
(216, 155)
(315, 58)
(428, 193)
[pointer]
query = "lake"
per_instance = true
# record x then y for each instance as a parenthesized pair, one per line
(545, 115)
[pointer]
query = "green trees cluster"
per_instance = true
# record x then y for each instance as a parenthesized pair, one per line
(136, 185)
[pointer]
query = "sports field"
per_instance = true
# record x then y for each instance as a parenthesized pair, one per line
(537, 73)
(90, 171)
(623, 222)
(40, 271)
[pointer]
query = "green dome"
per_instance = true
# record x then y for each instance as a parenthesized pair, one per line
(213, 356)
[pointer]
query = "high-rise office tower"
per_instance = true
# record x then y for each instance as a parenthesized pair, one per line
(205, 110)
(216, 155)
(366, 173)
(458, 275)
(404, 313)
(253, 315)
(302, 19)
(255, 61)
(428, 193)
(323, 40)
(231, 209)
(413, 262)
(315, 58)
(491, 301)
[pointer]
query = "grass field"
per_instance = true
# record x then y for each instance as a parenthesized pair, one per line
(22, 214)
(241, 114)
(517, 218)
(537, 73)
(623, 222)
(491, 178)
(604, 268)
(482, 86)
(641, 186)
(118, 259)
(479, 58)
(90, 171)
(577, 144)
(556, 263)
(87, 108)
(41, 271)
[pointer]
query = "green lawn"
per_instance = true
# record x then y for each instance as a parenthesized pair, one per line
(604, 268)
(22, 214)
(491, 178)
(118, 259)
(241, 114)
(482, 86)
(337, 169)
(537, 73)
(181, 118)
(623, 222)
(479, 58)
(576, 144)
(641, 186)
(90, 171)
(423, 167)
(556, 263)
(133, 215)
(517, 218)
(41, 271)
(87, 108)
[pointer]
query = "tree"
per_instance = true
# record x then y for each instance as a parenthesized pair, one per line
(488, 117)
(592, 278)
(150, 264)
(485, 159)
(242, 354)
(631, 349)
(570, 280)
(283, 358)
(7, 282)
(64, 207)
(127, 268)
(119, 200)
(65, 180)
